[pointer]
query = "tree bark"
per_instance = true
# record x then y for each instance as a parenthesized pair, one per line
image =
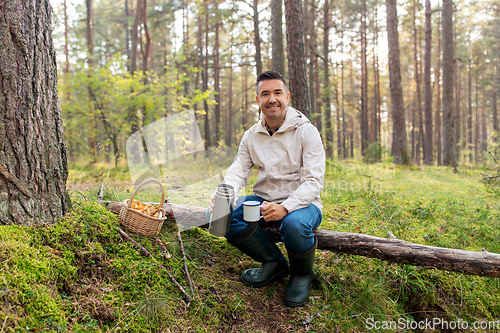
(217, 74)
(418, 104)
(439, 144)
(278, 51)
(469, 115)
(258, 58)
(428, 147)
(376, 85)
(365, 131)
(33, 161)
(326, 82)
(399, 140)
(398, 251)
(495, 116)
(208, 141)
(296, 50)
(448, 85)
(127, 36)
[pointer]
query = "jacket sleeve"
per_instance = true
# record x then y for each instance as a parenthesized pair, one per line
(312, 172)
(239, 172)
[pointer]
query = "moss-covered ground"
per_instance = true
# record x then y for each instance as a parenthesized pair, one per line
(80, 276)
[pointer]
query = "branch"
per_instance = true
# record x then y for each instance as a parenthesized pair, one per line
(14, 180)
(482, 263)
(148, 254)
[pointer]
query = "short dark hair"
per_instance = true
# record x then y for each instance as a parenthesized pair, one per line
(269, 75)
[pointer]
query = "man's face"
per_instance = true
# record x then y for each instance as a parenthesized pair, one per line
(272, 98)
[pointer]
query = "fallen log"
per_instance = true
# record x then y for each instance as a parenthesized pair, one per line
(481, 263)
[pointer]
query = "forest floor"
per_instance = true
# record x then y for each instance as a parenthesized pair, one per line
(80, 276)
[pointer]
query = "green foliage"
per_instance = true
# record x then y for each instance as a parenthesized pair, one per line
(104, 106)
(79, 276)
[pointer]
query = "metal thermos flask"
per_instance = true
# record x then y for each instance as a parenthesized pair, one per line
(223, 208)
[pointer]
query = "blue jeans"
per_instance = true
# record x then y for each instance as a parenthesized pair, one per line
(297, 227)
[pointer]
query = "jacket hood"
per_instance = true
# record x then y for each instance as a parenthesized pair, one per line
(293, 119)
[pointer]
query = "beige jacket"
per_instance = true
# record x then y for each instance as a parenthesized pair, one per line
(291, 162)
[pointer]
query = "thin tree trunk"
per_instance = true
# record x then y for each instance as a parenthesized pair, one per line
(217, 75)
(66, 38)
(477, 119)
(418, 106)
(90, 63)
(33, 160)
(229, 126)
(365, 131)
(438, 100)
(376, 86)
(147, 48)
(127, 36)
(208, 141)
(428, 147)
(296, 50)
(278, 51)
(458, 103)
(495, 116)
(448, 85)
(326, 82)
(185, 26)
(258, 58)
(135, 37)
(344, 120)
(245, 99)
(469, 116)
(399, 140)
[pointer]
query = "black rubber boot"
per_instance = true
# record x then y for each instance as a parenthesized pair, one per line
(257, 244)
(301, 267)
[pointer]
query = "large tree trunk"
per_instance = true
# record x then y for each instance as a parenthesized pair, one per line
(448, 86)
(399, 140)
(297, 73)
(33, 165)
(393, 250)
(278, 51)
(428, 154)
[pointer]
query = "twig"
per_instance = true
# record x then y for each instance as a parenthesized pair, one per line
(492, 177)
(84, 197)
(14, 180)
(147, 254)
(185, 262)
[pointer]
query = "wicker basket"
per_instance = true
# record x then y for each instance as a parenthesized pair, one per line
(140, 223)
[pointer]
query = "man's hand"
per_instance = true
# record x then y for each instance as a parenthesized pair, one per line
(212, 203)
(271, 211)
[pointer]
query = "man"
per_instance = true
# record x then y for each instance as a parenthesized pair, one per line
(288, 153)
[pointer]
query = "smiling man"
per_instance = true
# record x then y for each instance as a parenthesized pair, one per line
(288, 153)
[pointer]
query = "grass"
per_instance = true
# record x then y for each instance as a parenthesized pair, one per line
(79, 276)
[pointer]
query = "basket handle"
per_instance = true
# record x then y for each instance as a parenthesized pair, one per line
(144, 182)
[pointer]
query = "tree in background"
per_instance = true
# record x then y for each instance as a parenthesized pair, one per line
(297, 72)
(428, 146)
(399, 140)
(448, 85)
(33, 163)
(278, 51)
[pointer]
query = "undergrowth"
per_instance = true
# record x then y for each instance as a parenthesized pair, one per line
(80, 276)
